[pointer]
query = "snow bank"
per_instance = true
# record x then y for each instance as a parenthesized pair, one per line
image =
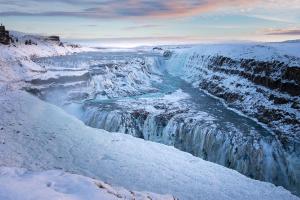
(21, 184)
(39, 136)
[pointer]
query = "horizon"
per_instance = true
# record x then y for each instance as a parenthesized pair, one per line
(143, 22)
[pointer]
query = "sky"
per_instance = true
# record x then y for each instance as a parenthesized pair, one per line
(155, 21)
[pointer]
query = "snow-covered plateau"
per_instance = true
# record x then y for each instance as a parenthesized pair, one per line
(151, 94)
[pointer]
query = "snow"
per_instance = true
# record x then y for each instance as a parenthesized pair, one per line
(147, 103)
(36, 136)
(194, 65)
(16, 59)
(108, 74)
(176, 96)
(21, 184)
(282, 51)
(204, 67)
(39, 136)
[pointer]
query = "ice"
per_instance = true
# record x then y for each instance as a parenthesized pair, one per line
(129, 92)
(155, 106)
(39, 136)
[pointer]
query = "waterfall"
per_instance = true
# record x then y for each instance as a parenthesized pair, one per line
(258, 157)
(137, 97)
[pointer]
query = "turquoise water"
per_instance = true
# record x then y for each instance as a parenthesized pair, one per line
(235, 130)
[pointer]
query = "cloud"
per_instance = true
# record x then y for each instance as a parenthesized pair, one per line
(283, 32)
(144, 26)
(124, 8)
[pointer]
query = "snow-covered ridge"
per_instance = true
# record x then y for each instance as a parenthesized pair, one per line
(286, 52)
(39, 136)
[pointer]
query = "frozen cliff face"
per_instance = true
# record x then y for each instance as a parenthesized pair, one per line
(249, 150)
(266, 90)
(119, 80)
(99, 75)
(259, 80)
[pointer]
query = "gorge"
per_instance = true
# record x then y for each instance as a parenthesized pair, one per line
(171, 99)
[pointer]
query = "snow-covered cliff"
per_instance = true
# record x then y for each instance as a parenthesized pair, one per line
(260, 80)
(16, 59)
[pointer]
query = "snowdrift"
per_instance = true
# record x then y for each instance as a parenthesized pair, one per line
(21, 184)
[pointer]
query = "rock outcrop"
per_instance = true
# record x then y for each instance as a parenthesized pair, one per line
(4, 36)
(268, 91)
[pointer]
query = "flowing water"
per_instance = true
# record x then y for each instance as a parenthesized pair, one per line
(156, 106)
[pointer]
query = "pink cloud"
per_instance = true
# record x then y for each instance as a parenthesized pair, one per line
(295, 31)
(139, 8)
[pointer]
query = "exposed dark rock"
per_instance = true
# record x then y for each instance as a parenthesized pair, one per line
(296, 105)
(278, 100)
(268, 115)
(53, 38)
(292, 74)
(261, 73)
(77, 96)
(62, 79)
(74, 45)
(140, 114)
(33, 91)
(167, 54)
(30, 42)
(157, 48)
(275, 81)
(4, 36)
